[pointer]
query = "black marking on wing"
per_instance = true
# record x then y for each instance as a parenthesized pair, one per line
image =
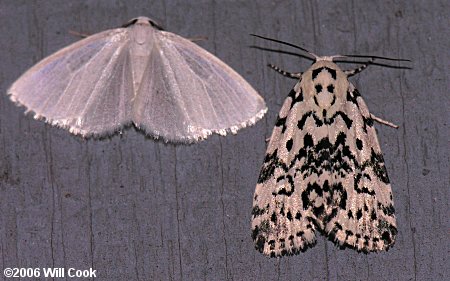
(389, 231)
(308, 141)
(306, 201)
(327, 121)
(260, 233)
(302, 121)
(273, 217)
(353, 96)
(367, 122)
(292, 94)
(283, 190)
(289, 144)
(387, 210)
(359, 144)
(350, 214)
(325, 156)
(376, 162)
(281, 122)
(296, 97)
(289, 215)
(364, 189)
(257, 211)
(271, 162)
(335, 196)
(344, 117)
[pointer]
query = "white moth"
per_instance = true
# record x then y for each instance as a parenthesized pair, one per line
(323, 171)
(138, 74)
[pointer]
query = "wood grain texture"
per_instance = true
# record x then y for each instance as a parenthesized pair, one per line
(135, 209)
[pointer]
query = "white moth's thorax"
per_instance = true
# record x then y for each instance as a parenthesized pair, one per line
(325, 86)
(142, 40)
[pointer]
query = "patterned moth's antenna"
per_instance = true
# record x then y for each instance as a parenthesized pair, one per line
(352, 72)
(371, 57)
(328, 58)
(316, 57)
(288, 74)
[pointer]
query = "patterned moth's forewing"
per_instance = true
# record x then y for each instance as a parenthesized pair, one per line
(323, 171)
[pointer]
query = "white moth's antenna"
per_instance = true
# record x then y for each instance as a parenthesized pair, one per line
(288, 44)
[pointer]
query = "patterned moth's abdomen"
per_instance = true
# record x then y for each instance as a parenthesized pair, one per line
(323, 171)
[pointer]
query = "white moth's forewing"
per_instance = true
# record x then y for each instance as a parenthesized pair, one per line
(85, 87)
(161, 82)
(198, 92)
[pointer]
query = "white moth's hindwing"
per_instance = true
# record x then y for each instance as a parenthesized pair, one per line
(323, 171)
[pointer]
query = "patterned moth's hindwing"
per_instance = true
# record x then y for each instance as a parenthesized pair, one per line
(323, 171)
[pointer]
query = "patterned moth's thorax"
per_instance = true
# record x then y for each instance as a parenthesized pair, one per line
(324, 86)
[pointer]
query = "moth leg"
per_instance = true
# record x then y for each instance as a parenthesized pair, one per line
(297, 75)
(384, 122)
(352, 72)
(198, 38)
(78, 34)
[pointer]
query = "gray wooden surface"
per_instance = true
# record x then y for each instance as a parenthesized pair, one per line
(135, 209)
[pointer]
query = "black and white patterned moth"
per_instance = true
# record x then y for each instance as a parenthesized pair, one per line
(323, 171)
